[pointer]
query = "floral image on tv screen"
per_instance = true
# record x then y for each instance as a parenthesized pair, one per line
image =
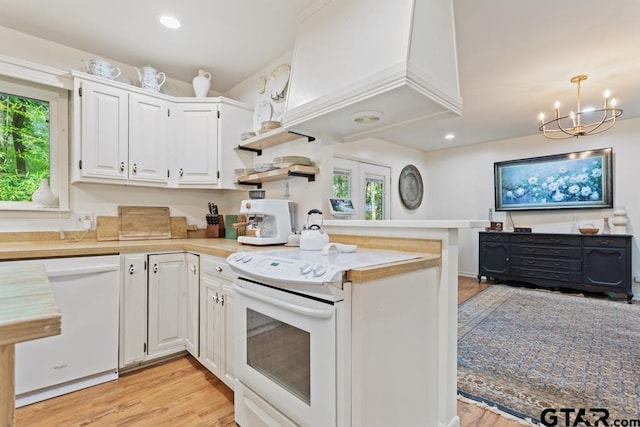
(563, 181)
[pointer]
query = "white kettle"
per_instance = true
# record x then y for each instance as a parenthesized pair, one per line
(313, 237)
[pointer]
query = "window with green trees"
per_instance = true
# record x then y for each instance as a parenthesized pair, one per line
(24, 146)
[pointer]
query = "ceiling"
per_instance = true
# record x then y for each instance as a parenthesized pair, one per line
(515, 58)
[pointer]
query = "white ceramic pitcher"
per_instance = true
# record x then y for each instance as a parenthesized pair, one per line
(102, 68)
(150, 78)
(202, 83)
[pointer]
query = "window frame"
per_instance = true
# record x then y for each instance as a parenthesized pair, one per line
(58, 99)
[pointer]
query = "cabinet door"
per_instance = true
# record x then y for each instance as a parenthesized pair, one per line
(192, 338)
(606, 267)
(148, 138)
(234, 121)
(104, 118)
(210, 324)
(229, 336)
(167, 304)
(494, 260)
(197, 153)
(133, 310)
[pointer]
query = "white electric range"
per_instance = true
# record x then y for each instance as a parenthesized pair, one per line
(292, 327)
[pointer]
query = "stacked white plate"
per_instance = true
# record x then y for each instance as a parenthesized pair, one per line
(244, 171)
(286, 161)
(264, 167)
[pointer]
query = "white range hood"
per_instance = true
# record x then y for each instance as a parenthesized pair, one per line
(395, 57)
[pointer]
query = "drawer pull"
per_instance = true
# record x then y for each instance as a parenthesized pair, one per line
(557, 251)
(603, 241)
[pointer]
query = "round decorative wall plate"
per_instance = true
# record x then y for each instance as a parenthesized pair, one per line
(410, 187)
(278, 81)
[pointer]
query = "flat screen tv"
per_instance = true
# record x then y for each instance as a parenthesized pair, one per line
(562, 181)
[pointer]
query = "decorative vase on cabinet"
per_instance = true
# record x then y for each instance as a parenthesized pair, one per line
(43, 195)
(620, 220)
(202, 83)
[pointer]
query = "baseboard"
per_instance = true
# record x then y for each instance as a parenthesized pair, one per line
(454, 422)
(68, 387)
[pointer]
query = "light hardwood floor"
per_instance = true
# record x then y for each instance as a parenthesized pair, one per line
(182, 393)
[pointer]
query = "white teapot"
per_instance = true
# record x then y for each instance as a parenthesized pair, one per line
(102, 68)
(313, 237)
(150, 78)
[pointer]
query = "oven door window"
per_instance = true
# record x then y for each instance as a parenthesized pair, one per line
(280, 352)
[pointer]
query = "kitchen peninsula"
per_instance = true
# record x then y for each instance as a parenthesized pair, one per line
(431, 336)
(444, 306)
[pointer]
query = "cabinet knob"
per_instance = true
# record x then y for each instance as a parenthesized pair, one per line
(193, 269)
(181, 172)
(132, 269)
(155, 268)
(218, 269)
(135, 168)
(222, 299)
(122, 166)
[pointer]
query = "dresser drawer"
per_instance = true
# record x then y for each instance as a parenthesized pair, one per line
(605, 241)
(546, 239)
(553, 251)
(546, 263)
(498, 237)
(519, 273)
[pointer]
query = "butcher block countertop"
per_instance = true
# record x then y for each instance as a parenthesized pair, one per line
(15, 246)
(28, 311)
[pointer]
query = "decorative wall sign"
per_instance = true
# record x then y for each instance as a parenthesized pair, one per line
(410, 187)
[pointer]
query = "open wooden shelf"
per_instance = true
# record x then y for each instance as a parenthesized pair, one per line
(308, 172)
(269, 139)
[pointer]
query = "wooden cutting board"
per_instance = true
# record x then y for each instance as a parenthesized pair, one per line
(178, 227)
(107, 228)
(143, 222)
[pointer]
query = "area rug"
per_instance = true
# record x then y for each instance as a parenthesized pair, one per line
(527, 350)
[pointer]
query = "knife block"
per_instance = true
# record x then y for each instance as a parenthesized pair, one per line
(216, 230)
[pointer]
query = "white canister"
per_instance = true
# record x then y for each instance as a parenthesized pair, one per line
(202, 83)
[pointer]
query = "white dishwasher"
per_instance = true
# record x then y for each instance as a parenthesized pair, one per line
(86, 352)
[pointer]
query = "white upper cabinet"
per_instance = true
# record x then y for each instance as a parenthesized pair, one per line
(124, 134)
(148, 138)
(397, 58)
(104, 131)
(206, 134)
(196, 157)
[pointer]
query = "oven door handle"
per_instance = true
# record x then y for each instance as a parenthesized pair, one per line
(308, 312)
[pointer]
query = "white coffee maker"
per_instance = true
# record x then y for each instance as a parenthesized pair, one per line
(271, 221)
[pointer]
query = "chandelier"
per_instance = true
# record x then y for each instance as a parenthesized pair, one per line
(582, 122)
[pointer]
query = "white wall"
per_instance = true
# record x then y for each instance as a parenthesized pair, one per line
(460, 185)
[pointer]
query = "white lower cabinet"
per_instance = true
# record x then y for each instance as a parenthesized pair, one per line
(216, 318)
(174, 302)
(157, 306)
(192, 337)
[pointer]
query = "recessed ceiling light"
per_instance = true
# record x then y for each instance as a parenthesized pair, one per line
(367, 117)
(169, 22)
(449, 136)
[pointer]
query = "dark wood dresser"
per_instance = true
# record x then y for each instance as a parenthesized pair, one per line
(591, 263)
